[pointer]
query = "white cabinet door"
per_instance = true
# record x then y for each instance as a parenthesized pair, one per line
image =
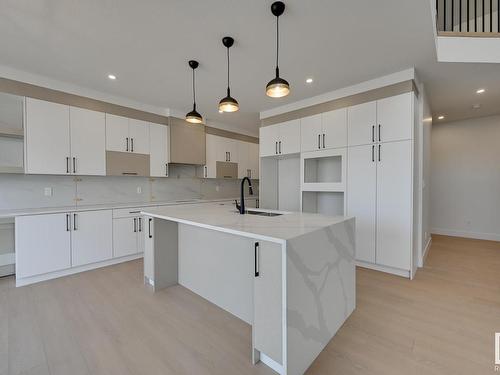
(117, 138)
(395, 118)
(125, 236)
(91, 237)
(212, 152)
(42, 244)
(88, 142)
(253, 158)
(361, 198)
(289, 137)
(311, 132)
(139, 136)
(244, 167)
(394, 204)
(158, 146)
(268, 138)
(222, 148)
(47, 137)
(232, 146)
(267, 329)
(334, 128)
(362, 123)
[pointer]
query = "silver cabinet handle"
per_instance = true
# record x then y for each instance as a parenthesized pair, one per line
(67, 165)
(68, 223)
(126, 147)
(135, 224)
(74, 164)
(132, 144)
(256, 259)
(323, 140)
(319, 141)
(74, 222)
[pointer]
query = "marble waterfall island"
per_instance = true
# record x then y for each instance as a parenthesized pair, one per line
(290, 276)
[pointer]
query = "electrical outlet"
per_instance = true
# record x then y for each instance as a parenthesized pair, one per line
(217, 188)
(47, 191)
(139, 190)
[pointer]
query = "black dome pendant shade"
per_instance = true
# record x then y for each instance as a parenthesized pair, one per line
(277, 87)
(194, 117)
(228, 104)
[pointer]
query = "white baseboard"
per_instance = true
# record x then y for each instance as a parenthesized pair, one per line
(426, 250)
(271, 363)
(475, 235)
(71, 271)
(386, 269)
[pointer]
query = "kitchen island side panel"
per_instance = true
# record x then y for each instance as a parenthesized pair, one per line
(320, 290)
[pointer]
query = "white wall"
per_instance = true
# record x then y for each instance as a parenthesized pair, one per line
(426, 174)
(465, 181)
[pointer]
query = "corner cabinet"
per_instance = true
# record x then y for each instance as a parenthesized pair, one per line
(64, 140)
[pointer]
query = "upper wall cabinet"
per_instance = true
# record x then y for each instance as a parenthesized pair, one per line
(385, 120)
(159, 150)
(126, 135)
(187, 142)
(11, 133)
(280, 139)
(248, 160)
(63, 140)
(324, 131)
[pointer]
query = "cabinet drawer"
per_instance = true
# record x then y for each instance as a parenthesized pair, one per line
(127, 212)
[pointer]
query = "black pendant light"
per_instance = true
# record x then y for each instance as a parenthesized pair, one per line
(228, 104)
(194, 117)
(277, 87)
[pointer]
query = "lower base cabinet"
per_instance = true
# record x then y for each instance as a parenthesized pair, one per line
(54, 242)
(128, 236)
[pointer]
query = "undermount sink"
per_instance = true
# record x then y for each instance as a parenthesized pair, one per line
(261, 213)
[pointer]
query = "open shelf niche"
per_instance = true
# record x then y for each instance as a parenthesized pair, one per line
(323, 170)
(11, 133)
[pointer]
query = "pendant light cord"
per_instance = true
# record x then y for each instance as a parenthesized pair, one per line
(194, 92)
(228, 71)
(277, 41)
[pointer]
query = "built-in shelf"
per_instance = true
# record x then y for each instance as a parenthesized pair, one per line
(324, 171)
(12, 133)
(325, 203)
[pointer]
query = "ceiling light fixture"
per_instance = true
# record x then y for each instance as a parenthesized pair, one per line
(480, 91)
(111, 76)
(309, 80)
(194, 117)
(277, 87)
(441, 117)
(228, 104)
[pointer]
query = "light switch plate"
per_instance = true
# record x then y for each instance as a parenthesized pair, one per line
(139, 190)
(47, 191)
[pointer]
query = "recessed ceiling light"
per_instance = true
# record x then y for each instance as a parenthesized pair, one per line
(440, 117)
(309, 80)
(480, 91)
(111, 76)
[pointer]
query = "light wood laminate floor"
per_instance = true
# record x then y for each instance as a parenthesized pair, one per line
(106, 322)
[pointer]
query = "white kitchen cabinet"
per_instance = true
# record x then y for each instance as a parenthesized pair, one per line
(394, 204)
(117, 138)
(324, 131)
(47, 137)
(128, 229)
(362, 124)
(334, 128)
(159, 150)
(267, 328)
(248, 160)
(43, 244)
(126, 135)
(87, 142)
(221, 149)
(311, 129)
(361, 198)
(280, 139)
(254, 160)
(91, 237)
(268, 138)
(395, 118)
(139, 136)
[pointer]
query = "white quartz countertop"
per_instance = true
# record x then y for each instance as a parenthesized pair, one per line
(223, 217)
(10, 213)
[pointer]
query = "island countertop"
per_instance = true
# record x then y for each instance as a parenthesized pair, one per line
(224, 217)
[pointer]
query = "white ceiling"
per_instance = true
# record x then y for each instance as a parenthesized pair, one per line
(147, 44)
